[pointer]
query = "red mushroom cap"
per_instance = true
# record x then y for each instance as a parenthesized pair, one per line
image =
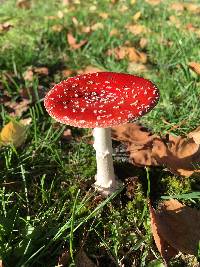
(101, 99)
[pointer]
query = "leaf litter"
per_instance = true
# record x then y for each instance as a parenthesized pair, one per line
(181, 155)
(176, 226)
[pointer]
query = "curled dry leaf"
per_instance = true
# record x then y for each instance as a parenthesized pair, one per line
(72, 42)
(128, 52)
(195, 66)
(179, 225)
(13, 133)
(166, 251)
(181, 155)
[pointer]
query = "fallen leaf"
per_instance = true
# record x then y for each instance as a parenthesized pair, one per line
(4, 27)
(137, 29)
(26, 121)
(114, 32)
(43, 71)
(179, 7)
(90, 69)
(24, 4)
(28, 74)
(97, 26)
(181, 155)
(195, 66)
(192, 7)
(153, 2)
(57, 28)
(72, 42)
(143, 42)
(179, 225)
(136, 67)
(75, 21)
(174, 21)
(66, 73)
(137, 15)
(195, 135)
(123, 8)
(13, 133)
(166, 251)
(103, 15)
(17, 108)
(128, 52)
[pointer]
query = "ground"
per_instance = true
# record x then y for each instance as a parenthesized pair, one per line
(48, 205)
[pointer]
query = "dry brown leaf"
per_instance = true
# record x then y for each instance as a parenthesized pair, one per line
(97, 26)
(103, 15)
(114, 32)
(67, 73)
(179, 7)
(17, 108)
(166, 251)
(195, 135)
(25, 4)
(13, 133)
(192, 7)
(128, 52)
(181, 155)
(179, 225)
(175, 21)
(4, 27)
(153, 2)
(137, 29)
(195, 66)
(136, 67)
(28, 74)
(143, 42)
(72, 42)
(57, 28)
(43, 71)
(90, 69)
(137, 15)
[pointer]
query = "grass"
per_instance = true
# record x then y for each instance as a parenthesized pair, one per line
(47, 203)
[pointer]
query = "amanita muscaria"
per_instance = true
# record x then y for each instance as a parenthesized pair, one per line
(101, 100)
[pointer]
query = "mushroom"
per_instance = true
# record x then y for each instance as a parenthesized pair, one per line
(101, 100)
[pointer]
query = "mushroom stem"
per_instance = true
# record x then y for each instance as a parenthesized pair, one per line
(105, 177)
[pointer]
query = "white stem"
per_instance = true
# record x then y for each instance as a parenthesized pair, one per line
(105, 177)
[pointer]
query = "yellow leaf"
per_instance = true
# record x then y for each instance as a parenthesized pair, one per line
(137, 16)
(13, 133)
